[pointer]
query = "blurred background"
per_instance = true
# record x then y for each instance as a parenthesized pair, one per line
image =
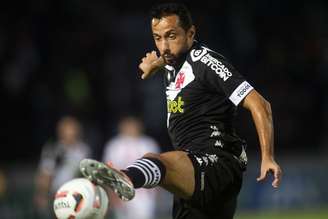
(74, 57)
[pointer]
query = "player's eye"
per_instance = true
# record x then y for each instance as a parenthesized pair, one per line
(172, 36)
(157, 38)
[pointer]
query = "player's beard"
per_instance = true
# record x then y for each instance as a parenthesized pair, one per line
(173, 59)
(169, 58)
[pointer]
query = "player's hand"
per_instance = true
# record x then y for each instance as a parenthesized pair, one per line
(150, 64)
(270, 166)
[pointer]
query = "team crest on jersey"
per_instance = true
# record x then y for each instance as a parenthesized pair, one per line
(197, 54)
(180, 80)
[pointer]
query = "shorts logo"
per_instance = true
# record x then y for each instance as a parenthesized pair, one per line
(202, 181)
(207, 159)
(180, 80)
(197, 54)
(243, 155)
(175, 106)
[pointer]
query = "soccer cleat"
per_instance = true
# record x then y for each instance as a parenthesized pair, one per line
(105, 175)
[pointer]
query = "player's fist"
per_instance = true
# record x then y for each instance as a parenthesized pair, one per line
(150, 64)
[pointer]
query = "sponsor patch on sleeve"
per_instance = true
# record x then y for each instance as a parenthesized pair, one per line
(240, 92)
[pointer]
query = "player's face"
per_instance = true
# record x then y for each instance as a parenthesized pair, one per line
(68, 132)
(170, 38)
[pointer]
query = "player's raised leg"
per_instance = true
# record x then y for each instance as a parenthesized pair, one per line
(172, 170)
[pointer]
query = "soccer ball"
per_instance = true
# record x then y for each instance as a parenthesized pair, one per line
(80, 199)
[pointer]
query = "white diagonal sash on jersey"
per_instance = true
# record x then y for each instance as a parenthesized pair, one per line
(171, 90)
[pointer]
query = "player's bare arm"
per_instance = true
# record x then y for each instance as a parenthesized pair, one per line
(150, 64)
(262, 117)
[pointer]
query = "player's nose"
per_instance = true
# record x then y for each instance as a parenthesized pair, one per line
(164, 46)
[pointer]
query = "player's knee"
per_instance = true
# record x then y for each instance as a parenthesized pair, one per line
(172, 157)
(171, 160)
(159, 157)
(168, 159)
(152, 155)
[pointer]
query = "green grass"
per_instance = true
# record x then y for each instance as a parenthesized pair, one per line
(282, 214)
(294, 214)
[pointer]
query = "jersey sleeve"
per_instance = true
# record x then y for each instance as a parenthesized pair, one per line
(221, 76)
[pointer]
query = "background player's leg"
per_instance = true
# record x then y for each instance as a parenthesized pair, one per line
(179, 178)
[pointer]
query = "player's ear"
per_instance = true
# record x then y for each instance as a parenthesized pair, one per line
(192, 32)
(191, 35)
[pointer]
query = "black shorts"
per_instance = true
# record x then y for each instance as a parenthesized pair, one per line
(218, 180)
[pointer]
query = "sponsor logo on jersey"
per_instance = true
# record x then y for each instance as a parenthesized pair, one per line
(218, 67)
(175, 106)
(197, 54)
(240, 92)
(215, 131)
(243, 89)
(180, 80)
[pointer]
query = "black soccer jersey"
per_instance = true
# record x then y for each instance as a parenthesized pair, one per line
(202, 96)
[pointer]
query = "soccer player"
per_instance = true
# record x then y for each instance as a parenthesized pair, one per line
(128, 145)
(59, 162)
(203, 90)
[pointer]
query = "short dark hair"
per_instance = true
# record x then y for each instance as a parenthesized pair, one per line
(167, 9)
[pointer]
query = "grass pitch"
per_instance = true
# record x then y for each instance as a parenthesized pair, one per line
(294, 214)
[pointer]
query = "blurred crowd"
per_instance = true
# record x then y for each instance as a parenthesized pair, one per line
(59, 57)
